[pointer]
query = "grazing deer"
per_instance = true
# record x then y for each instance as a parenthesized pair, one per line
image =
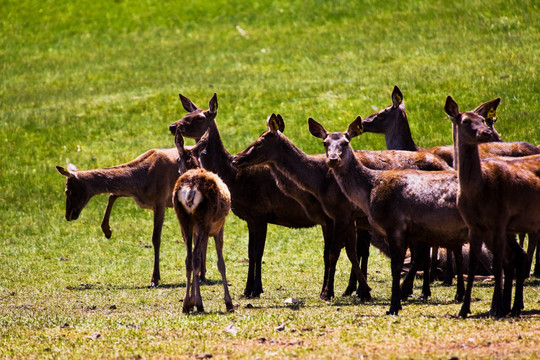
(256, 198)
(496, 197)
(408, 207)
(201, 201)
(149, 180)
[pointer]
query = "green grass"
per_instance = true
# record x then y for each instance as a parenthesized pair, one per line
(96, 84)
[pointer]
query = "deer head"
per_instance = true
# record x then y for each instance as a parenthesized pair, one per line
(195, 123)
(265, 147)
(472, 127)
(77, 194)
(380, 122)
(337, 144)
(187, 158)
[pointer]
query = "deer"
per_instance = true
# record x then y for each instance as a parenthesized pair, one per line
(496, 197)
(392, 121)
(149, 180)
(256, 198)
(408, 207)
(202, 202)
(312, 174)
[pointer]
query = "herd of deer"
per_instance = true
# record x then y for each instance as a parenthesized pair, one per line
(478, 191)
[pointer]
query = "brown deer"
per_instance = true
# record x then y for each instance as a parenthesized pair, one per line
(496, 197)
(312, 174)
(394, 124)
(256, 198)
(201, 201)
(149, 180)
(408, 207)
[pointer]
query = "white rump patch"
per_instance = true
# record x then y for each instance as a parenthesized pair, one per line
(190, 198)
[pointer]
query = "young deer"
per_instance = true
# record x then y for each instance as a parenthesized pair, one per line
(496, 197)
(256, 198)
(201, 201)
(149, 180)
(405, 206)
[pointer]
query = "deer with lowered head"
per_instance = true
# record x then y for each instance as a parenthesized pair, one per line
(149, 180)
(495, 197)
(408, 207)
(256, 198)
(312, 174)
(201, 201)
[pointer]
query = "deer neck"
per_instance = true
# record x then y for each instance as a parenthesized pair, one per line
(119, 180)
(356, 182)
(216, 158)
(399, 137)
(307, 172)
(469, 169)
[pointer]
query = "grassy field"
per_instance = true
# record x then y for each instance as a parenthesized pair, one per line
(96, 83)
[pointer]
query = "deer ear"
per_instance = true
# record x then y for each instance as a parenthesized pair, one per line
(188, 105)
(317, 129)
(63, 171)
(355, 128)
(179, 142)
(281, 123)
(452, 109)
(213, 104)
(397, 97)
(202, 143)
(488, 110)
(275, 123)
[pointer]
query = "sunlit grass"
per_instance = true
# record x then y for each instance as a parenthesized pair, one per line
(96, 84)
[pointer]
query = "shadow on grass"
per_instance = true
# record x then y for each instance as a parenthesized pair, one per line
(98, 286)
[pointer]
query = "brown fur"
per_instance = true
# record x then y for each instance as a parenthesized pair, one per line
(496, 197)
(206, 219)
(149, 180)
(405, 206)
(255, 196)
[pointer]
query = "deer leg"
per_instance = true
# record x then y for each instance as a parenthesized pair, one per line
(202, 275)
(522, 272)
(448, 268)
(327, 236)
(363, 242)
(408, 283)
(533, 243)
(187, 305)
(200, 244)
(105, 227)
(159, 217)
(397, 255)
(221, 267)
(475, 240)
(458, 255)
(349, 236)
(510, 261)
(334, 249)
(257, 240)
(433, 260)
(497, 304)
(427, 265)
